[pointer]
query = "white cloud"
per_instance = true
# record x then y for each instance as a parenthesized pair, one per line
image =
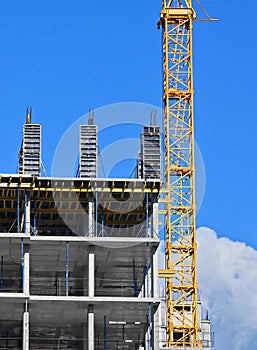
(227, 274)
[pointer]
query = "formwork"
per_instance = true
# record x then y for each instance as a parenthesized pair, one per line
(150, 153)
(88, 151)
(30, 153)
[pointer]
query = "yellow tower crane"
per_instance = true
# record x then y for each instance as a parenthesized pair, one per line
(181, 290)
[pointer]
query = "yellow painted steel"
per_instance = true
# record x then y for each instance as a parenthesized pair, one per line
(165, 273)
(182, 319)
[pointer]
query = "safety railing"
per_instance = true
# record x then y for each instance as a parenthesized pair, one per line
(125, 343)
(67, 343)
(111, 287)
(135, 231)
(73, 286)
(59, 286)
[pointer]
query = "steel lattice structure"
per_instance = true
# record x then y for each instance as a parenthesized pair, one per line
(182, 324)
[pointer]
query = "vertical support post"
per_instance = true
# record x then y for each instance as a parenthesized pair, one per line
(91, 321)
(2, 273)
(26, 273)
(67, 270)
(155, 220)
(90, 217)
(102, 222)
(155, 276)
(96, 213)
(135, 279)
(25, 345)
(22, 265)
(105, 333)
(149, 324)
(18, 209)
(35, 219)
(147, 272)
(91, 272)
(147, 214)
(27, 212)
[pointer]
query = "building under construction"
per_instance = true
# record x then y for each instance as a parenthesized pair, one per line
(79, 256)
(79, 262)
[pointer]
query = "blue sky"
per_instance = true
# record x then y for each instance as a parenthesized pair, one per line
(63, 57)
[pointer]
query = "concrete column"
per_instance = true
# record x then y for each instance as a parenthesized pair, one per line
(155, 273)
(155, 220)
(26, 273)
(206, 333)
(148, 283)
(155, 328)
(25, 345)
(91, 217)
(91, 326)
(162, 311)
(91, 272)
(27, 212)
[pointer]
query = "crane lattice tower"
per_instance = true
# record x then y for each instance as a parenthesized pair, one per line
(182, 320)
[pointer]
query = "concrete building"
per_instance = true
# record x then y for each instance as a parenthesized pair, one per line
(75, 286)
(79, 258)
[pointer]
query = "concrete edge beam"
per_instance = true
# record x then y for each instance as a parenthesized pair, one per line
(94, 300)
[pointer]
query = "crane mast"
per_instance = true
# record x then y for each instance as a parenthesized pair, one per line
(181, 289)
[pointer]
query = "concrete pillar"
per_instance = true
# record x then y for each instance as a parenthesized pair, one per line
(26, 261)
(206, 333)
(25, 345)
(27, 212)
(148, 284)
(91, 272)
(91, 217)
(155, 273)
(91, 326)
(155, 328)
(155, 220)
(162, 311)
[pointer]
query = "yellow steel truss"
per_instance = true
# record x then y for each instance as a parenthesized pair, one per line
(182, 323)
